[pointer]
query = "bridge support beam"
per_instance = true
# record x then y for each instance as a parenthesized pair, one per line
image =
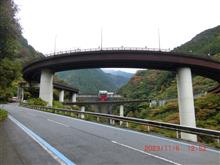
(121, 113)
(61, 96)
(82, 110)
(74, 97)
(186, 101)
(46, 86)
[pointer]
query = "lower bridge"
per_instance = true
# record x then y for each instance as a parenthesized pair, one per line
(106, 102)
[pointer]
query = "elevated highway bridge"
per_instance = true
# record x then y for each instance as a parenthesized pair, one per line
(183, 64)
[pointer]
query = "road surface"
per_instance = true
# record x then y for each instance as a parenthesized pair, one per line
(83, 142)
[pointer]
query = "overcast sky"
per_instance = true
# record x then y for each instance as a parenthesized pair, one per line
(134, 23)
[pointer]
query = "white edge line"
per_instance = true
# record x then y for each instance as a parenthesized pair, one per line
(125, 130)
(155, 156)
(51, 150)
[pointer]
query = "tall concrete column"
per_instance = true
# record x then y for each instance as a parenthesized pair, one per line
(46, 86)
(74, 97)
(61, 96)
(121, 113)
(82, 110)
(186, 101)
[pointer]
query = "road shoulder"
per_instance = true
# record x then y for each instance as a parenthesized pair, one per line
(16, 147)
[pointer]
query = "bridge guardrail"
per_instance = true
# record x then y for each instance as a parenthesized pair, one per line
(107, 48)
(174, 127)
(164, 51)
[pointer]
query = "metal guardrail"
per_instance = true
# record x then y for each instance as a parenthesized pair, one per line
(174, 127)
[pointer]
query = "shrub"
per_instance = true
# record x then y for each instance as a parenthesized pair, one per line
(3, 114)
(217, 117)
(57, 104)
(36, 101)
(204, 114)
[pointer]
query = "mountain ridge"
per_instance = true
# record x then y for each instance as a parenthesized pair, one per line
(90, 81)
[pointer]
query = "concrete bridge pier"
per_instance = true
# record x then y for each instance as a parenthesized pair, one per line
(186, 101)
(82, 110)
(61, 96)
(74, 97)
(112, 122)
(46, 86)
(121, 113)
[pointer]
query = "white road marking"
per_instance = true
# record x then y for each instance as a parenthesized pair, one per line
(146, 153)
(58, 156)
(58, 122)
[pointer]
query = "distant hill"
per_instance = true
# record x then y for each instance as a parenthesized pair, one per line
(27, 53)
(119, 73)
(90, 81)
(206, 42)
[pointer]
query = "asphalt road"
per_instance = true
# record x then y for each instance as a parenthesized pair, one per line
(90, 143)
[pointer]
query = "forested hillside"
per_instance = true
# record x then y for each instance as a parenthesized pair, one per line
(14, 50)
(90, 81)
(206, 42)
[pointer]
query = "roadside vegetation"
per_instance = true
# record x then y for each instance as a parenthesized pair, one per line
(3, 114)
(56, 104)
(36, 101)
(14, 50)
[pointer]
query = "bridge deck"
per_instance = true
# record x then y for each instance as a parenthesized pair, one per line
(134, 58)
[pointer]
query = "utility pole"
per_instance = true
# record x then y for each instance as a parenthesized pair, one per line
(158, 32)
(55, 43)
(101, 38)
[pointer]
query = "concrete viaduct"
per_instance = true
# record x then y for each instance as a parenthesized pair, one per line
(57, 85)
(183, 64)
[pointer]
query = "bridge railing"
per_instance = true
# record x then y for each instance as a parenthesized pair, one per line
(105, 48)
(169, 126)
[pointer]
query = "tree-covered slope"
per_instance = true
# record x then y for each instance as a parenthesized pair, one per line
(90, 81)
(14, 50)
(206, 42)
(147, 84)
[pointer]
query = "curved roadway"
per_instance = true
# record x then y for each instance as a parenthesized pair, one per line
(123, 59)
(84, 142)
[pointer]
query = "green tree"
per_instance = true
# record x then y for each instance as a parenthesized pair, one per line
(10, 32)
(10, 29)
